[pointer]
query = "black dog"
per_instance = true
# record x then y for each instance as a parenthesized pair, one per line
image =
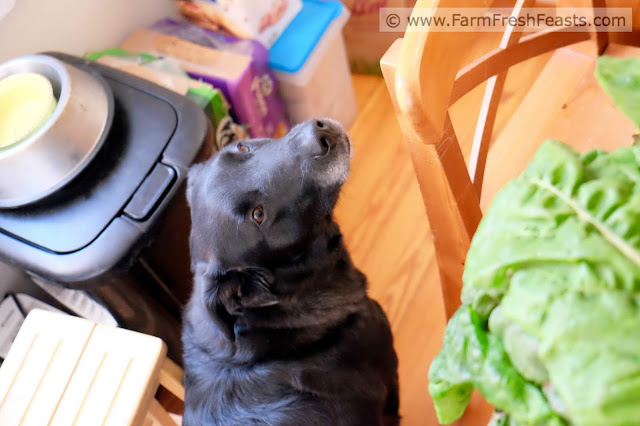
(279, 329)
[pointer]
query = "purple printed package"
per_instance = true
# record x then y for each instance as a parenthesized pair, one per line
(239, 68)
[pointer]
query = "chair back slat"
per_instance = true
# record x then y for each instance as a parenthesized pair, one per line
(499, 60)
(426, 72)
(489, 106)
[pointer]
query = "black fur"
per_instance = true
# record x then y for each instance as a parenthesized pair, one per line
(279, 329)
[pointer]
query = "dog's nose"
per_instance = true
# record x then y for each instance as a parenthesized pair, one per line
(326, 135)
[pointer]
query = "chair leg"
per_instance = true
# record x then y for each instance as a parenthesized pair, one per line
(171, 378)
(158, 416)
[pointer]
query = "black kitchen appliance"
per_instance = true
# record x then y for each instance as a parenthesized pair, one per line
(103, 232)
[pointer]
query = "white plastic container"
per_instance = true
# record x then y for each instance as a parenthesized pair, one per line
(310, 62)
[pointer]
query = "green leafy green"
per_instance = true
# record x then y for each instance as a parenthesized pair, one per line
(472, 358)
(502, 419)
(451, 372)
(579, 213)
(552, 288)
(521, 347)
(620, 78)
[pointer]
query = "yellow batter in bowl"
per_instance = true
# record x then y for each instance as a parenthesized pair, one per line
(26, 103)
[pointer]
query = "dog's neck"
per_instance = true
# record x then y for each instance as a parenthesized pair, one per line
(313, 298)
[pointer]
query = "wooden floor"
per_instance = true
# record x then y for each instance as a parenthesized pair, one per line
(382, 217)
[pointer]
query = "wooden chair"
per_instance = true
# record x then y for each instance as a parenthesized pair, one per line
(425, 79)
(64, 370)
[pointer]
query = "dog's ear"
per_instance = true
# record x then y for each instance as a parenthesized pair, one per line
(235, 290)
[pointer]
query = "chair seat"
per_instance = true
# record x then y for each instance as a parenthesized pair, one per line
(565, 103)
(64, 370)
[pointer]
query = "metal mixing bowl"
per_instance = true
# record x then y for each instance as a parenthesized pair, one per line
(55, 153)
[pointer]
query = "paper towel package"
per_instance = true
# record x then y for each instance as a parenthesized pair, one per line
(244, 79)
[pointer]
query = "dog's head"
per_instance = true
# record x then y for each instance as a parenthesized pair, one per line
(259, 205)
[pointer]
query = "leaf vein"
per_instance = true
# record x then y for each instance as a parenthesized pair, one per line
(584, 215)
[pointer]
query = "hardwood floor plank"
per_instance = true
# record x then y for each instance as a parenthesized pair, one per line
(382, 217)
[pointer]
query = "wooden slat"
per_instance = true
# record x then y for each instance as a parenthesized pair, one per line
(159, 416)
(388, 65)
(484, 129)
(39, 366)
(171, 378)
(489, 107)
(114, 381)
(499, 60)
(425, 74)
(602, 37)
(422, 83)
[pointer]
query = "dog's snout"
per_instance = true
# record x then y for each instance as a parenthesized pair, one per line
(325, 135)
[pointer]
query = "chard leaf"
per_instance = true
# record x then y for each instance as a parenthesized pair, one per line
(620, 78)
(559, 253)
(564, 210)
(473, 358)
(451, 372)
(521, 347)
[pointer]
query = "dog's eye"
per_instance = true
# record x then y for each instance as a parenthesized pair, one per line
(242, 147)
(258, 215)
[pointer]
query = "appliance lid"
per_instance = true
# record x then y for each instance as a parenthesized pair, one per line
(290, 52)
(74, 216)
(117, 195)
